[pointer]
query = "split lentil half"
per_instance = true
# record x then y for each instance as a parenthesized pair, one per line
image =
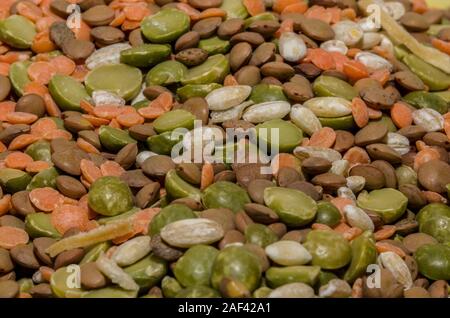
(353, 128)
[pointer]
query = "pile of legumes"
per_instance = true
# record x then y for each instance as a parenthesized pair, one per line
(224, 148)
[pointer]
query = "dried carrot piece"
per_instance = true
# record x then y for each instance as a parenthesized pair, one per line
(22, 141)
(355, 70)
(285, 26)
(41, 72)
(130, 119)
(87, 147)
(107, 111)
(21, 118)
(64, 65)
(6, 108)
(207, 175)
(101, 234)
(385, 232)
(42, 126)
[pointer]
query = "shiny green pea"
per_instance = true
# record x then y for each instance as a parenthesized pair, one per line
(177, 188)
(174, 119)
(170, 287)
(389, 203)
(170, 214)
(40, 225)
(329, 86)
(165, 26)
(427, 100)
(288, 136)
(40, 151)
(162, 144)
(44, 178)
(114, 139)
(327, 214)
(364, 253)
(166, 73)
(14, 180)
(214, 45)
(224, 194)
(147, 272)
(260, 234)
(434, 261)
(278, 276)
(196, 90)
(110, 196)
(145, 55)
(262, 93)
(17, 31)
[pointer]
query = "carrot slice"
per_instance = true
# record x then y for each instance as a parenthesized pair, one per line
(360, 112)
(136, 12)
(18, 160)
(51, 107)
(207, 176)
(12, 236)
(29, 10)
(339, 60)
(111, 168)
(320, 13)
(282, 160)
(129, 25)
(352, 233)
(341, 203)
(66, 216)
(324, 137)
(254, 7)
(115, 124)
(97, 122)
(22, 141)
(45, 199)
(37, 166)
(58, 133)
(442, 46)
(210, 13)
(401, 115)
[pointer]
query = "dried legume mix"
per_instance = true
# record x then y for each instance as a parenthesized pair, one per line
(348, 195)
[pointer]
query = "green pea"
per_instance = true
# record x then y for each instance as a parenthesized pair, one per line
(40, 151)
(434, 261)
(165, 26)
(174, 119)
(214, 45)
(329, 86)
(170, 287)
(434, 219)
(325, 277)
(44, 178)
(224, 194)
(170, 214)
(262, 93)
(288, 136)
(25, 284)
(18, 76)
(427, 100)
(196, 90)
(389, 203)
(110, 292)
(120, 79)
(148, 271)
(110, 196)
(162, 144)
(198, 292)
(327, 214)
(265, 16)
(292, 206)
(278, 276)
(61, 283)
(114, 139)
(40, 224)
(238, 263)
(17, 31)
(14, 180)
(67, 92)
(234, 9)
(433, 77)
(195, 266)
(329, 250)
(364, 253)
(94, 252)
(260, 234)
(213, 70)
(166, 73)
(338, 123)
(141, 104)
(262, 292)
(145, 55)
(177, 188)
